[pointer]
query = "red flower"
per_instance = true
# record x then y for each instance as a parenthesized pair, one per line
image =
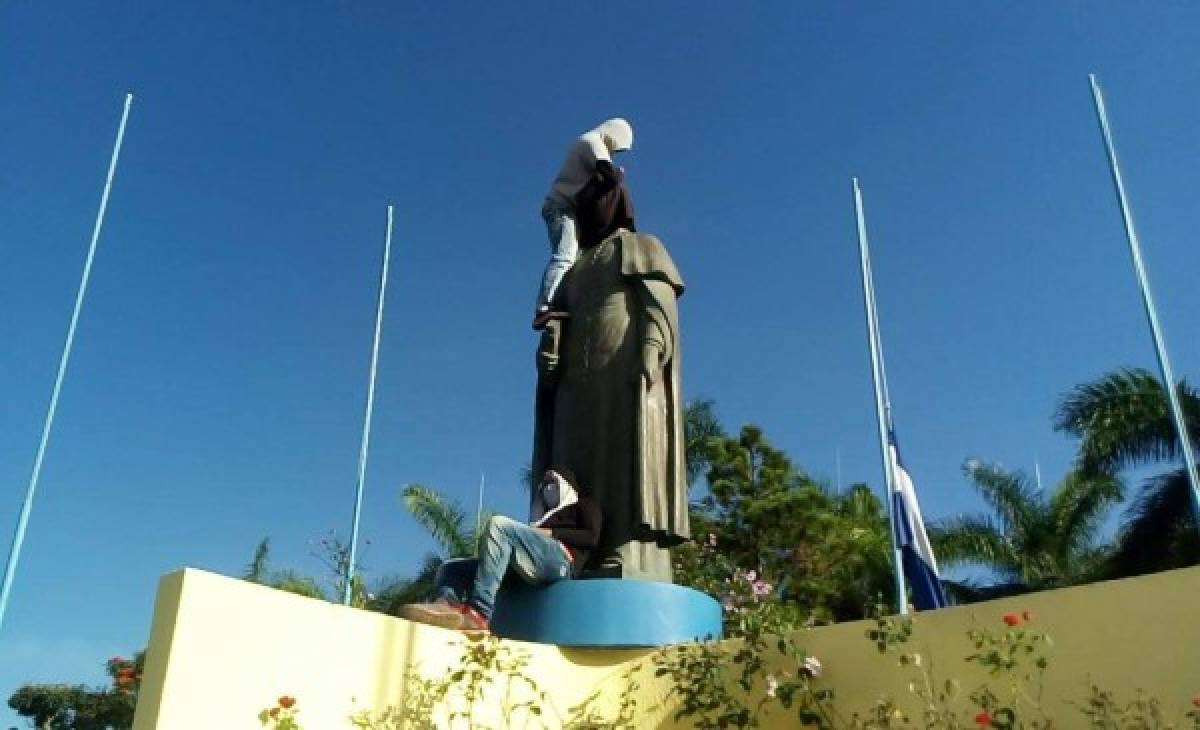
(286, 702)
(983, 719)
(1027, 615)
(1012, 619)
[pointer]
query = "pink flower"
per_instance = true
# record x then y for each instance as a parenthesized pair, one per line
(752, 576)
(760, 588)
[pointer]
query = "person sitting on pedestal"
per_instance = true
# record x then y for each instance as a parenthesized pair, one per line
(590, 155)
(554, 546)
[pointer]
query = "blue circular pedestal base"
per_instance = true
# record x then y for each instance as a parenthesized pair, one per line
(605, 613)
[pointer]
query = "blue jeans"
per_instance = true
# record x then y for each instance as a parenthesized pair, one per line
(535, 557)
(564, 247)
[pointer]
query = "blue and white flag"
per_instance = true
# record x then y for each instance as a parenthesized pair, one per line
(920, 565)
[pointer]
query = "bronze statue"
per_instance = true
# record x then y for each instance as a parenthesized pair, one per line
(609, 404)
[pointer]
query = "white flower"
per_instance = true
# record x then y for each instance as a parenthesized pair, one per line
(772, 685)
(812, 667)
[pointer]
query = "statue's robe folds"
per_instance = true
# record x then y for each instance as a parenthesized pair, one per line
(595, 413)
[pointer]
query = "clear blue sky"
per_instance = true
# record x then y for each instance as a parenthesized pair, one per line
(218, 381)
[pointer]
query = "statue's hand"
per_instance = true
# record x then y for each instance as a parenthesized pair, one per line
(650, 364)
(547, 354)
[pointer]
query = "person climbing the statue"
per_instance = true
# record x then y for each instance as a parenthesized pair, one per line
(555, 545)
(589, 158)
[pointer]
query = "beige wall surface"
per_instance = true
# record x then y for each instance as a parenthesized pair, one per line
(223, 649)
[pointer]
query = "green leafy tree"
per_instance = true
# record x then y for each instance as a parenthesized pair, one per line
(1123, 420)
(700, 428)
(76, 707)
(824, 553)
(1030, 540)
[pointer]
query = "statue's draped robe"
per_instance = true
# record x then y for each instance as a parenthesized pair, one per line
(597, 417)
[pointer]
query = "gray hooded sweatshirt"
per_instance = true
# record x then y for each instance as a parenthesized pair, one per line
(598, 144)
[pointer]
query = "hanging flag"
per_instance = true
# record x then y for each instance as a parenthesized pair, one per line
(920, 565)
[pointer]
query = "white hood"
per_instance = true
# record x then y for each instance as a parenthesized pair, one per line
(567, 496)
(617, 134)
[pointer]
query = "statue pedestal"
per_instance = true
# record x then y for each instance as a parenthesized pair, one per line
(606, 613)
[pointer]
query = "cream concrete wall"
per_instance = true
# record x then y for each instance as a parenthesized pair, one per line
(222, 649)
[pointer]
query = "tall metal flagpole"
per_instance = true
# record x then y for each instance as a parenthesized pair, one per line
(874, 314)
(880, 408)
(1160, 347)
(14, 553)
(366, 434)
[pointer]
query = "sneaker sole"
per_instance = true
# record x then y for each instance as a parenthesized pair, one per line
(448, 619)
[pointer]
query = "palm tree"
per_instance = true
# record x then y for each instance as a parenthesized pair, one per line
(291, 581)
(447, 523)
(1032, 541)
(443, 518)
(1123, 420)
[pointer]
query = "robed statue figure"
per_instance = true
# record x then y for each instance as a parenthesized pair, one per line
(609, 406)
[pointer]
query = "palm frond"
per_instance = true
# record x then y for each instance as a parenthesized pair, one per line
(1078, 506)
(1008, 492)
(390, 594)
(256, 569)
(1122, 419)
(962, 592)
(527, 479)
(974, 540)
(443, 518)
(1159, 531)
(477, 533)
(293, 582)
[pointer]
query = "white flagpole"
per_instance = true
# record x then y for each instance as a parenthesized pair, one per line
(479, 508)
(14, 553)
(887, 398)
(880, 405)
(366, 434)
(1135, 251)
